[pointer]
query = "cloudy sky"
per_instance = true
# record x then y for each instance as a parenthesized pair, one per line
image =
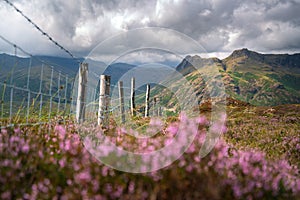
(220, 26)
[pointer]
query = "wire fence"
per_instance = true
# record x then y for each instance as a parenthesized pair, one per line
(32, 90)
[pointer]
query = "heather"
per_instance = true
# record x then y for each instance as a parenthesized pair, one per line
(273, 130)
(52, 162)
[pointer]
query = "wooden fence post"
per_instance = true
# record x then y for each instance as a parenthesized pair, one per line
(103, 113)
(153, 107)
(132, 95)
(147, 101)
(82, 88)
(121, 98)
(159, 113)
(107, 101)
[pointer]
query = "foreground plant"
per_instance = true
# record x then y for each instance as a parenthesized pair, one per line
(51, 162)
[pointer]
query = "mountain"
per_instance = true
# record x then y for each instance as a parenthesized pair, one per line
(65, 65)
(259, 79)
(117, 70)
(124, 71)
(18, 68)
(248, 76)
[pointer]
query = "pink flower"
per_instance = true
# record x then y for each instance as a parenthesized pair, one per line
(3, 131)
(84, 176)
(168, 141)
(201, 120)
(25, 148)
(67, 145)
(6, 195)
(131, 187)
(118, 193)
(62, 162)
(172, 129)
(189, 168)
(17, 130)
(104, 171)
(61, 131)
(108, 187)
(218, 128)
(121, 131)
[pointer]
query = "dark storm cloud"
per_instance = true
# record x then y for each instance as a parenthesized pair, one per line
(219, 25)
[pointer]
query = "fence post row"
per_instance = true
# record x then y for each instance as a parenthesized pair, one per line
(121, 99)
(103, 113)
(82, 88)
(20, 98)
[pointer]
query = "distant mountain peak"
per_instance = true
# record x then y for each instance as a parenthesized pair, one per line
(246, 54)
(243, 52)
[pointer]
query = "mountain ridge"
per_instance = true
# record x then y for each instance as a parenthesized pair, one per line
(259, 79)
(249, 76)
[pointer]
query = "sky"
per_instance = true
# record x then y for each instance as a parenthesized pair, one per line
(219, 26)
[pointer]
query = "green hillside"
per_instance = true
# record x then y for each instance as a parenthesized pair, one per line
(259, 79)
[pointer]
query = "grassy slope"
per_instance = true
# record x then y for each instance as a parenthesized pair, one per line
(260, 83)
(273, 130)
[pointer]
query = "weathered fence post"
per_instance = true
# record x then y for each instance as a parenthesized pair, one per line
(121, 99)
(159, 111)
(154, 107)
(107, 100)
(104, 100)
(158, 107)
(147, 101)
(132, 95)
(82, 88)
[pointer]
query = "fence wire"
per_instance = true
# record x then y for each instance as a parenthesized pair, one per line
(32, 91)
(41, 31)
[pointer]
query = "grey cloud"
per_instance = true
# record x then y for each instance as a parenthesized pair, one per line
(261, 26)
(285, 12)
(219, 25)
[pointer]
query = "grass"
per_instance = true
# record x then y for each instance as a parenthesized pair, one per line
(290, 81)
(54, 164)
(273, 130)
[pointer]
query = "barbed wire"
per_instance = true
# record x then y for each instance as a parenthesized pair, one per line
(15, 46)
(43, 32)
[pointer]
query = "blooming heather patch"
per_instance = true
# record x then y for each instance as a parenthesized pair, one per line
(36, 163)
